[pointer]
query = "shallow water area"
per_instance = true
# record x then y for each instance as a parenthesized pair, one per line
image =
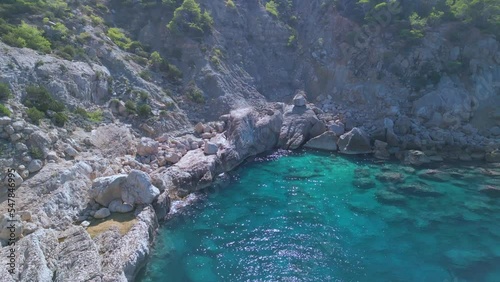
(309, 216)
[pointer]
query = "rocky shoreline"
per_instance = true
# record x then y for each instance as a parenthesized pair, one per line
(58, 224)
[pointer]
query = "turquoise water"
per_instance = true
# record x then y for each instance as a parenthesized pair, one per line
(300, 217)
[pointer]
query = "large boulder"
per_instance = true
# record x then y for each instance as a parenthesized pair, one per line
(326, 141)
(299, 125)
(35, 165)
(41, 141)
(337, 127)
(299, 100)
(210, 148)
(147, 147)
(250, 132)
(138, 189)
(355, 141)
(192, 173)
(107, 189)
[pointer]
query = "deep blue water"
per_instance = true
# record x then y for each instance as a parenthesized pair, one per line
(299, 217)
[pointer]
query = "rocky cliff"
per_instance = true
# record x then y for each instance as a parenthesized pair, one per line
(133, 107)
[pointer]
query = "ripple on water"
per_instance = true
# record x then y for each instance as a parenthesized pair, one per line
(314, 217)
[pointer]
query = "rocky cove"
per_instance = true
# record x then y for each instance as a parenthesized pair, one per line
(114, 115)
(56, 238)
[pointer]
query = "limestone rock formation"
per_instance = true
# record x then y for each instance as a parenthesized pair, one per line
(299, 125)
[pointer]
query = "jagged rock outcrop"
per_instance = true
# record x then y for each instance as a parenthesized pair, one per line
(250, 132)
(300, 123)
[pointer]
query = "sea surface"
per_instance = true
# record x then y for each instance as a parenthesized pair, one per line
(310, 216)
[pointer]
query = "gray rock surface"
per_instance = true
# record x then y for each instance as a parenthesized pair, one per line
(210, 148)
(138, 189)
(355, 141)
(120, 207)
(326, 141)
(299, 125)
(102, 213)
(35, 165)
(107, 189)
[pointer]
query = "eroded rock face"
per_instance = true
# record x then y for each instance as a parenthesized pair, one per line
(326, 141)
(299, 125)
(78, 258)
(355, 141)
(124, 255)
(249, 133)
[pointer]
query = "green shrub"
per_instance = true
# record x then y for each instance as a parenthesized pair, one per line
(189, 19)
(95, 116)
(81, 112)
(119, 38)
(36, 153)
(143, 95)
(155, 59)
(4, 91)
(35, 115)
(144, 111)
(96, 20)
(131, 106)
(4, 111)
(39, 97)
(29, 36)
(68, 52)
(60, 119)
(272, 8)
(84, 37)
(146, 75)
(194, 94)
(230, 4)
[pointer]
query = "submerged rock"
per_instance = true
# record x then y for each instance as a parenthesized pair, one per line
(388, 197)
(490, 190)
(434, 175)
(364, 183)
(419, 189)
(394, 177)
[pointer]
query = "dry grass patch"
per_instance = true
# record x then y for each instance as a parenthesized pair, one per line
(122, 221)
